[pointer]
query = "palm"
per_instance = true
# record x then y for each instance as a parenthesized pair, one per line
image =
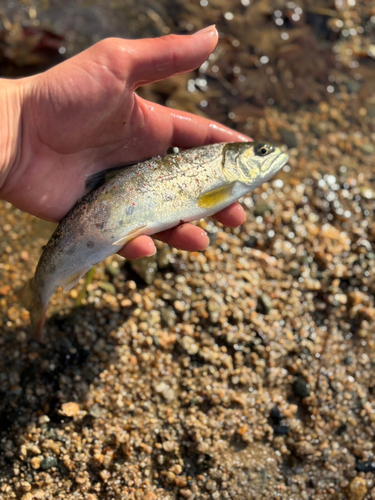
(83, 116)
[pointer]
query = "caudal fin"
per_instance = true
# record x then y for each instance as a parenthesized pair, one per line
(30, 299)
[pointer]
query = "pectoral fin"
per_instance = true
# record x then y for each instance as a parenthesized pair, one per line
(215, 197)
(130, 235)
(69, 283)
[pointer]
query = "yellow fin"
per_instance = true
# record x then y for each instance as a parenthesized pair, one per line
(129, 236)
(213, 198)
(69, 283)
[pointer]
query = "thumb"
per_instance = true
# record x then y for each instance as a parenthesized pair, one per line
(154, 59)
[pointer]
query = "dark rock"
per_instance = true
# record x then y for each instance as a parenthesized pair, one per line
(261, 209)
(289, 138)
(301, 388)
(276, 415)
(168, 316)
(48, 463)
(112, 271)
(146, 268)
(365, 466)
(348, 360)
(265, 303)
(353, 86)
(281, 429)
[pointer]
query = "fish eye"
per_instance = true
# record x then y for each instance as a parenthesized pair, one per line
(263, 149)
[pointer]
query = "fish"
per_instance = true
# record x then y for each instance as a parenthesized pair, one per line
(124, 202)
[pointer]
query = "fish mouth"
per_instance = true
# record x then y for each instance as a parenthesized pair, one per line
(277, 164)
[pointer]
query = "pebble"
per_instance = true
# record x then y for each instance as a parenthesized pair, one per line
(357, 489)
(289, 138)
(266, 303)
(48, 463)
(169, 446)
(368, 148)
(70, 409)
(301, 388)
(35, 462)
(108, 287)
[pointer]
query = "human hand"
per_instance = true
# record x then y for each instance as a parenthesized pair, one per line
(83, 116)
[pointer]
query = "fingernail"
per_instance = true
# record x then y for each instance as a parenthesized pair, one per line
(204, 31)
(152, 250)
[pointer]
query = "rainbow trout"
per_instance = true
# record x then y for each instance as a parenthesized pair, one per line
(151, 196)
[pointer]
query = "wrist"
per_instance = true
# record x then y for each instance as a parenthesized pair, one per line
(10, 127)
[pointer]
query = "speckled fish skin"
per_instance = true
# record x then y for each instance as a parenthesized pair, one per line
(146, 198)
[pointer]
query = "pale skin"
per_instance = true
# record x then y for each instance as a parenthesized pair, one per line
(83, 116)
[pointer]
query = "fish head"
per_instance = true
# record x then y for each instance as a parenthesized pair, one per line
(252, 163)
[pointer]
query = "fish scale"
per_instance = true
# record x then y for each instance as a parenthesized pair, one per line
(145, 198)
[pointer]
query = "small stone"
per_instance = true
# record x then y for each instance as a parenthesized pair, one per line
(168, 316)
(169, 395)
(169, 446)
(211, 485)
(367, 193)
(38, 495)
(25, 255)
(150, 495)
(35, 463)
(265, 303)
(146, 268)
(105, 475)
(44, 419)
(276, 415)
(368, 148)
(48, 463)
(261, 208)
(112, 270)
(164, 257)
(171, 476)
(108, 287)
(353, 86)
(25, 485)
(27, 496)
(301, 388)
(95, 411)
(289, 138)
(304, 449)
(186, 493)
(70, 409)
(13, 313)
(161, 387)
(357, 489)
(5, 289)
(188, 344)
(35, 450)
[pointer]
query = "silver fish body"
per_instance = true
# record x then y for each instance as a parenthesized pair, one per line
(147, 198)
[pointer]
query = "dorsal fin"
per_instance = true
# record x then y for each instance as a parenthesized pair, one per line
(97, 179)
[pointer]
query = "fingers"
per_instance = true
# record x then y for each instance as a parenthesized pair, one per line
(185, 237)
(143, 246)
(232, 216)
(177, 128)
(158, 58)
(192, 130)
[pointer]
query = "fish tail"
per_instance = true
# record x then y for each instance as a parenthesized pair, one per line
(30, 298)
